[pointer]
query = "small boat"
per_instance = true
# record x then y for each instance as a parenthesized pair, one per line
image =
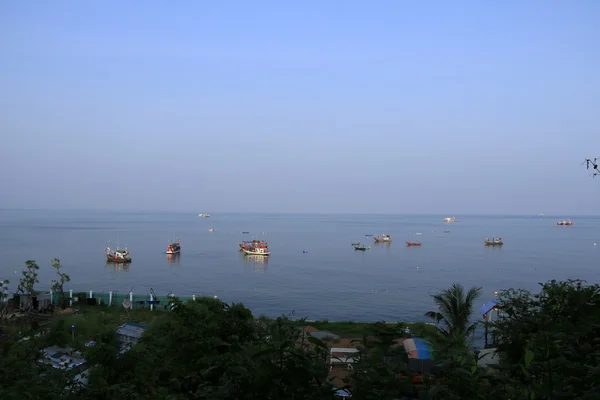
(204, 215)
(368, 235)
(246, 244)
(495, 241)
(541, 214)
(565, 223)
(174, 248)
(355, 244)
(211, 230)
(118, 256)
(361, 247)
(446, 231)
(260, 249)
(413, 243)
(245, 233)
(450, 219)
(386, 237)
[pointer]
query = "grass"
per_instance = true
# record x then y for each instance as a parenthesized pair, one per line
(350, 329)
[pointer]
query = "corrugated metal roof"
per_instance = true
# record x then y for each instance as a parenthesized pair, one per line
(131, 329)
(62, 357)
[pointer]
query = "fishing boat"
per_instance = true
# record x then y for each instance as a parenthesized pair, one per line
(260, 249)
(565, 223)
(246, 244)
(204, 215)
(386, 237)
(361, 247)
(355, 244)
(211, 230)
(495, 241)
(174, 248)
(450, 219)
(413, 243)
(118, 256)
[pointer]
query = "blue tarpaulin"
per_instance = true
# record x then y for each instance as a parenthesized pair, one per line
(487, 307)
(419, 348)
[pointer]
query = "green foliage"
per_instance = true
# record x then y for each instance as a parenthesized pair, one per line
(58, 284)
(210, 350)
(547, 343)
(29, 279)
(381, 371)
(550, 340)
(3, 298)
(453, 316)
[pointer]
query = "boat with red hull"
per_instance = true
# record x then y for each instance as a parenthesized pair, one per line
(174, 248)
(413, 243)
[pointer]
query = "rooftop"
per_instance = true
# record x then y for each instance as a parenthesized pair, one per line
(131, 329)
(62, 357)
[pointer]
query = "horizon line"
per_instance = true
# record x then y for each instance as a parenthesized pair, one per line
(156, 211)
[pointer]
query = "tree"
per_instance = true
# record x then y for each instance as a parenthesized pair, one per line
(453, 316)
(58, 285)
(549, 341)
(211, 350)
(381, 371)
(3, 297)
(28, 281)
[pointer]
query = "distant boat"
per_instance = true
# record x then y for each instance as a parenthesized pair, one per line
(541, 214)
(118, 256)
(361, 247)
(258, 249)
(496, 241)
(450, 219)
(565, 223)
(174, 248)
(386, 237)
(413, 243)
(211, 230)
(245, 233)
(247, 244)
(204, 215)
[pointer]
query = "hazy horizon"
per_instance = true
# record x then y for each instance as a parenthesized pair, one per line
(217, 213)
(316, 107)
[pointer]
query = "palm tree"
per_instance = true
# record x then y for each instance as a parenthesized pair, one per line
(454, 311)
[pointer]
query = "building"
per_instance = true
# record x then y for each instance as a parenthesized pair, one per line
(67, 359)
(129, 334)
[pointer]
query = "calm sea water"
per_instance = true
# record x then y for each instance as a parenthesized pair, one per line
(330, 280)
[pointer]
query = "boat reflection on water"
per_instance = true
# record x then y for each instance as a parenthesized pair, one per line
(173, 258)
(259, 263)
(386, 243)
(118, 267)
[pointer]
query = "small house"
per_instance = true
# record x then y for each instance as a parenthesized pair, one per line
(129, 334)
(67, 359)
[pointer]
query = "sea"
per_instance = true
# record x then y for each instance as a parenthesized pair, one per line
(313, 271)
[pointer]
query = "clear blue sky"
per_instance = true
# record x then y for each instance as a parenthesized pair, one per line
(310, 106)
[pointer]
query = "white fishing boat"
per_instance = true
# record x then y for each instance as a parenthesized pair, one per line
(204, 215)
(450, 219)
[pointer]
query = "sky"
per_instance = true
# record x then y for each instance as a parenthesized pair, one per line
(316, 106)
